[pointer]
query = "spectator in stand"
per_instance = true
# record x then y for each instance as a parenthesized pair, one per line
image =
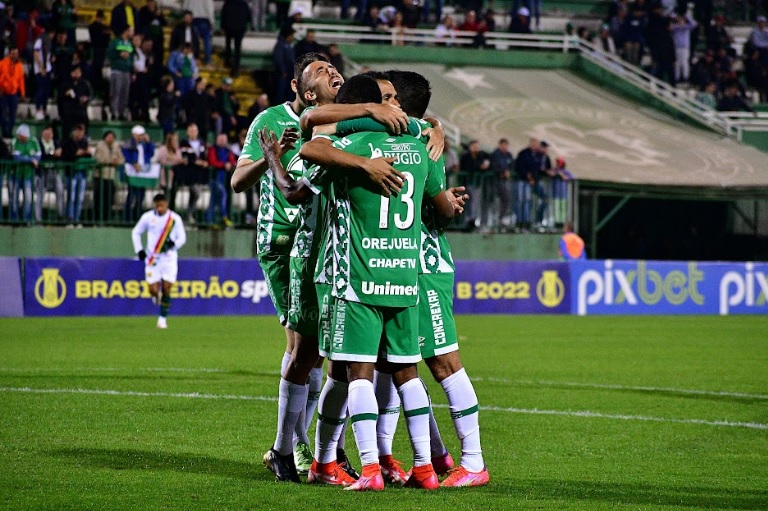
(138, 152)
(475, 165)
(632, 34)
(141, 86)
(285, 60)
(259, 15)
(197, 106)
(194, 171)
(109, 156)
(604, 40)
(61, 58)
(489, 20)
(397, 27)
(183, 67)
(100, 35)
(717, 35)
(170, 157)
(664, 64)
(28, 29)
(411, 13)
(533, 6)
(7, 29)
(502, 165)
(336, 58)
(74, 95)
(373, 19)
(237, 149)
(705, 70)
(539, 188)
(215, 122)
(26, 151)
(560, 178)
(445, 32)
(76, 151)
(309, 45)
(120, 55)
(471, 24)
(203, 18)
(758, 38)
(227, 105)
(520, 21)
(707, 95)
(732, 101)
(41, 66)
(755, 74)
(186, 33)
(53, 178)
(235, 17)
(681, 33)
(12, 87)
(360, 9)
(80, 59)
(259, 105)
(63, 17)
(451, 164)
(296, 15)
(615, 25)
(221, 161)
(527, 167)
(167, 105)
(151, 23)
(123, 15)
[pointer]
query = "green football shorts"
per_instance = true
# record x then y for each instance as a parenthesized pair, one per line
(363, 333)
(277, 273)
(325, 308)
(437, 328)
(303, 312)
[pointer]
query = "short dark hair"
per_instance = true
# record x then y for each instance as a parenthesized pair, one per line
(503, 141)
(305, 60)
(78, 126)
(107, 133)
(413, 91)
(287, 31)
(359, 89)
(159, 197)
(377, 75)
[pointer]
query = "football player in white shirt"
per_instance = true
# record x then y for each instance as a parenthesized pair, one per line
(165, 236)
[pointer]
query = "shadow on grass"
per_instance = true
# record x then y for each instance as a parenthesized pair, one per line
(130, 459)
(639, 494)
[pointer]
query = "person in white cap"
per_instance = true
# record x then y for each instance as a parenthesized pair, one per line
(530, 6)
(521, 21)
(165, 236)
(759, 37)
(26, 151)
(138, 153)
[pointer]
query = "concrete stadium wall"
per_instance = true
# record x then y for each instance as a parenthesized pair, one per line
(116, 242)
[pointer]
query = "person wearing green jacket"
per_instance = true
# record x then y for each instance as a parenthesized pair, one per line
(26, 151)
(120, 55)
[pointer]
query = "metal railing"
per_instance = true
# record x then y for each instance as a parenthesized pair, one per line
(89, 193)
(505, 205)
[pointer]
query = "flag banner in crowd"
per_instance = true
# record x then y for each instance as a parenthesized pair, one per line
(116, 287)
(11, 297)
(146, 177)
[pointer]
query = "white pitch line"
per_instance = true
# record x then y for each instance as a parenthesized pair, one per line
(694, 392)
(526, 411)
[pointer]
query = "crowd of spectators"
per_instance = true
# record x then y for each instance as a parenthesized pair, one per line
(523, 193)
(693, 49)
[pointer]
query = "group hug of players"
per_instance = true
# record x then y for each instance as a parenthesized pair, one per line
(349, 236)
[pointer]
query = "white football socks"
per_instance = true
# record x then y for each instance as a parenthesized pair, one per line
(462, 402)
(416, 412)
(292, 400)
(389, 411)
(363, 411)
(331, 418)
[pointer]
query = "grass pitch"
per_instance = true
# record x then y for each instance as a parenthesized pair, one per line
(576, 413)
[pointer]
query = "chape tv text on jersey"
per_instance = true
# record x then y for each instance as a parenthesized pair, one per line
(255, 290)
(397, 263)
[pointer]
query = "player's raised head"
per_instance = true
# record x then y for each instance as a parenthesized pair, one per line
(413, 91)
(319, 83)
(359, 89)
(305, 60)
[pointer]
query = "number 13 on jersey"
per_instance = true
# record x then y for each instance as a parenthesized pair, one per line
(402, 222)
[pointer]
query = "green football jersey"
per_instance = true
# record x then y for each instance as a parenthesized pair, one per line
(375, 239)
(277, 220)
(435, 250)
